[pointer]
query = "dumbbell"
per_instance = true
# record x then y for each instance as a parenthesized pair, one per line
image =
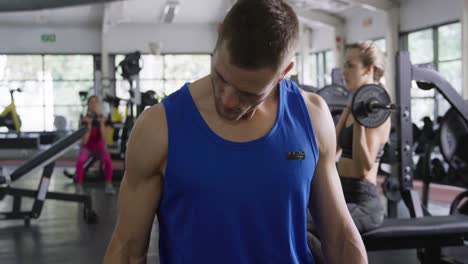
(371, 106)
(94, 120)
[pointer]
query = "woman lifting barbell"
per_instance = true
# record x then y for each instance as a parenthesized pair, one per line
(361, 148)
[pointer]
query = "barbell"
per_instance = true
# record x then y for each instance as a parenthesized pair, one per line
(371, 104)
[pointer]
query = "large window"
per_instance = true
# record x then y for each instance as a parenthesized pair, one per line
(421, 46)
(449, 61)
(165, 74)
(179, 69)
(381, 44)
(50, 87)
(439, 47)
(322, 64)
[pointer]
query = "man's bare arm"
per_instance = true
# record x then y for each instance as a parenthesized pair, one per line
(141, 188)
(341, 241)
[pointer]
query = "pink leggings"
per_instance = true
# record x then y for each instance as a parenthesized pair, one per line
(103, 156)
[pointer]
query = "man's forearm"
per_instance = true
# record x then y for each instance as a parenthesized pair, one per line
(122, 255)
(118, 258)
(353, 250)
(346, 248)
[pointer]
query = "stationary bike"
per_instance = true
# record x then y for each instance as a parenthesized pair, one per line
(9, 117)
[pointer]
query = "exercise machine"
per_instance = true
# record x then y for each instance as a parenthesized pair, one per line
(9, 118)
(130, 68)
(45, 159)
(336, 94)
(428, 234)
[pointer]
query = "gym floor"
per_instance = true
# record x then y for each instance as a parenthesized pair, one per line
(61, 235)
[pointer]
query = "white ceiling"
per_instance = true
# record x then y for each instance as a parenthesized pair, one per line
(149, 12)
(329, 6)
(130, 11)
(82, 15)
(190, 11)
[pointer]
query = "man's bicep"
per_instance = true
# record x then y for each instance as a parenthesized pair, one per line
(326, 203)
(147, 145)
(326, 196)
(141, 187)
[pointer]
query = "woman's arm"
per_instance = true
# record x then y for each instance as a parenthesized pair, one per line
(103, 128)
(367, 142)
(87, 123)
(340, 124)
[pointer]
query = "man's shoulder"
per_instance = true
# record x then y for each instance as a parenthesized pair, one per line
(147, 145)
(321, 119)
(315, 104)
(151, 126)
(152, 117)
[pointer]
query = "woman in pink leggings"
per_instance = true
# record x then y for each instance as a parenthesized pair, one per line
(94, 143)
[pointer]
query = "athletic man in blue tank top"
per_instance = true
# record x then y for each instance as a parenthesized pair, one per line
(230, 163)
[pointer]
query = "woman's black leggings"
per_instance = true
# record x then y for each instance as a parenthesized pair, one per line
(363, 201)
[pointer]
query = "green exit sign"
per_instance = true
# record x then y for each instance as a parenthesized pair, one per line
(48, 38)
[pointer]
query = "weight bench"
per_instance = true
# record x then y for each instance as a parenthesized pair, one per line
(429, 234)
(47, 160)
(93, 158)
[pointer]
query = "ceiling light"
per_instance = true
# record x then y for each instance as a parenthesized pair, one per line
(170, 11)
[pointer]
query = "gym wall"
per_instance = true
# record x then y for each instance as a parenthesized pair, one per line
(27, 39)
(417, 14)
(364, 24)
(176, 38)
(120, 39)
(322, 39)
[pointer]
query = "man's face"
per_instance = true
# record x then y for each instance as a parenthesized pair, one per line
(237, 92)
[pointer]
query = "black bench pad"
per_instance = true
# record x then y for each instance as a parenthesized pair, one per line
(423, 232)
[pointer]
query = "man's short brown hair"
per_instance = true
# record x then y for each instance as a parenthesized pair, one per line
(259, 33)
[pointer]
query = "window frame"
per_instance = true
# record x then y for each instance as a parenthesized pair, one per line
(42, 80)
(404, 40)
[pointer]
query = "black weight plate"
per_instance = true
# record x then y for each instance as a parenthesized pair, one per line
(362, 98)
(335, 95)
(391, 189)
(453, 140)
(416, 133)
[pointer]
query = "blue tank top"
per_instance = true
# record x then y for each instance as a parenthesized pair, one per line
(236, 202)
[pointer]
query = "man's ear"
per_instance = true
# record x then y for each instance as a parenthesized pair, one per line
(286, 71)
